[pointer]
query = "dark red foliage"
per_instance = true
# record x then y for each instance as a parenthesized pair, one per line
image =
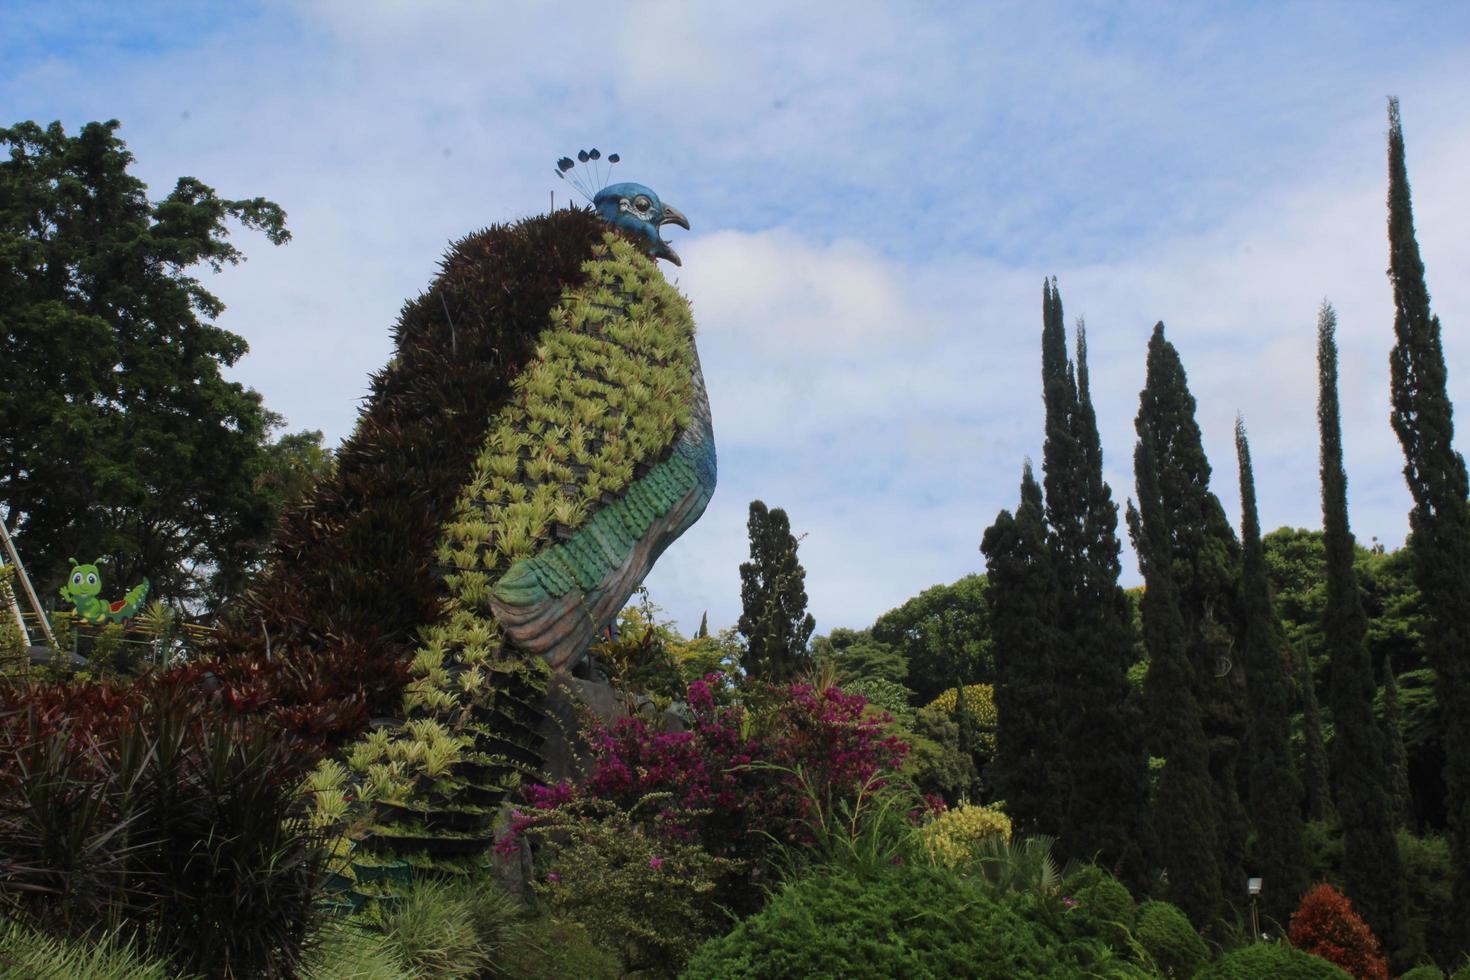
(1325, 925)
(163, 808)
(352, 577)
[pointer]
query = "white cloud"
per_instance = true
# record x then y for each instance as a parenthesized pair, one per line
(876, 193)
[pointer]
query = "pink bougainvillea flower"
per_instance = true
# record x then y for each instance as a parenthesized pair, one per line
(553, 877)
(656, 863)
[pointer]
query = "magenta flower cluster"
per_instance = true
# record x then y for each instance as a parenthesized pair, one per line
(739, 776)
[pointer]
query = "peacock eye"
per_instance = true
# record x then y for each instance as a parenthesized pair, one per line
(643, 204)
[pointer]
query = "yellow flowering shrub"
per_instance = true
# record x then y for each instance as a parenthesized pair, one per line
(951, 837)
(979, 701)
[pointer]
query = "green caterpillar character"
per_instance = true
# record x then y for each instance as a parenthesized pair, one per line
(82, 590)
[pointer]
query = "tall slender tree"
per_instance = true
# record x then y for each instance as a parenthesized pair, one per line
(774, 620)
(1205, 568)
(1184, 810)
(1106, 763)
(1372, 869)
(1029, 767)
(1275, 792)
(1395, 755)
(1439, 523)
(1316, 771)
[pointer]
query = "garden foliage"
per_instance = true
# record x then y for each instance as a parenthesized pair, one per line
(906, 921)
(1165, 933)
(1326, 926)
(160, 815)
(1277, 961)
(742, 777)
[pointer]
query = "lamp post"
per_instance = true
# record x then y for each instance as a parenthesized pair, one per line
(1253, 888)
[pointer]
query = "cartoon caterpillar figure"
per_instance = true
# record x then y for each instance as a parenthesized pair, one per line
(82, 589)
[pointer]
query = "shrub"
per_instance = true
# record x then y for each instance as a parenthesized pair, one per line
(645, 895)
(149, 810)
(433, 933)
(1259, 961)
(980, 703)
(556, 949)
(351, 951)
(1325, 925)
(951, 837)
(1100, 905)
(1427, 971)
(886, 695)
(1166, 935)
(909, 920)
(743, 780)
(935, 762)
(454, 927)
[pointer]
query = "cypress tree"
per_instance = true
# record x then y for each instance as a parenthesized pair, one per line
(773, 620)
(1106, 814)
(1371, 865)
(703, 630)
(1275, 792)
(1440, 520)
(1184, 809)
(1395, 756)
(1205, 568)
(1315, 769)
(1029, 768)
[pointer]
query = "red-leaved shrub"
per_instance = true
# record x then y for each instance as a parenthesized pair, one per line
(1325, 925)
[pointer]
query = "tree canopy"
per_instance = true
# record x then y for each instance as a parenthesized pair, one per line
(119, 435)
(774, 620)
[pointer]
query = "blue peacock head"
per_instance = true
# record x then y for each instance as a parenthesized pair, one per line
(632, 207)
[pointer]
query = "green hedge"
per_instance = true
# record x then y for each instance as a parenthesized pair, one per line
(1263, 960)
(907, 921)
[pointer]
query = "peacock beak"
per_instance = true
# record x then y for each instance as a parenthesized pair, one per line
(671, 216)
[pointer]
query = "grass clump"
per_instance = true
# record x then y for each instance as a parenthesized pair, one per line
(26, 954)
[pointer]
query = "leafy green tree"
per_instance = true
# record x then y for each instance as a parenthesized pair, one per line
(1107, 768)
(1275, 792)
(1184, 809)
(118, 434)
(1360, 779)
(1423, 418)
(942, 634)
(1205, 569)
(294, 462)
(775, 623)
(1029, 768)
(856, 655)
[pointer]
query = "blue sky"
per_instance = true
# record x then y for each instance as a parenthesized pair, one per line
(876, 192)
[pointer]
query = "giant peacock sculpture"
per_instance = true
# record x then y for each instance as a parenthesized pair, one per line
(539, 437)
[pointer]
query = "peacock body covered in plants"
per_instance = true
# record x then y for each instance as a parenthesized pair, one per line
(541, 435)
